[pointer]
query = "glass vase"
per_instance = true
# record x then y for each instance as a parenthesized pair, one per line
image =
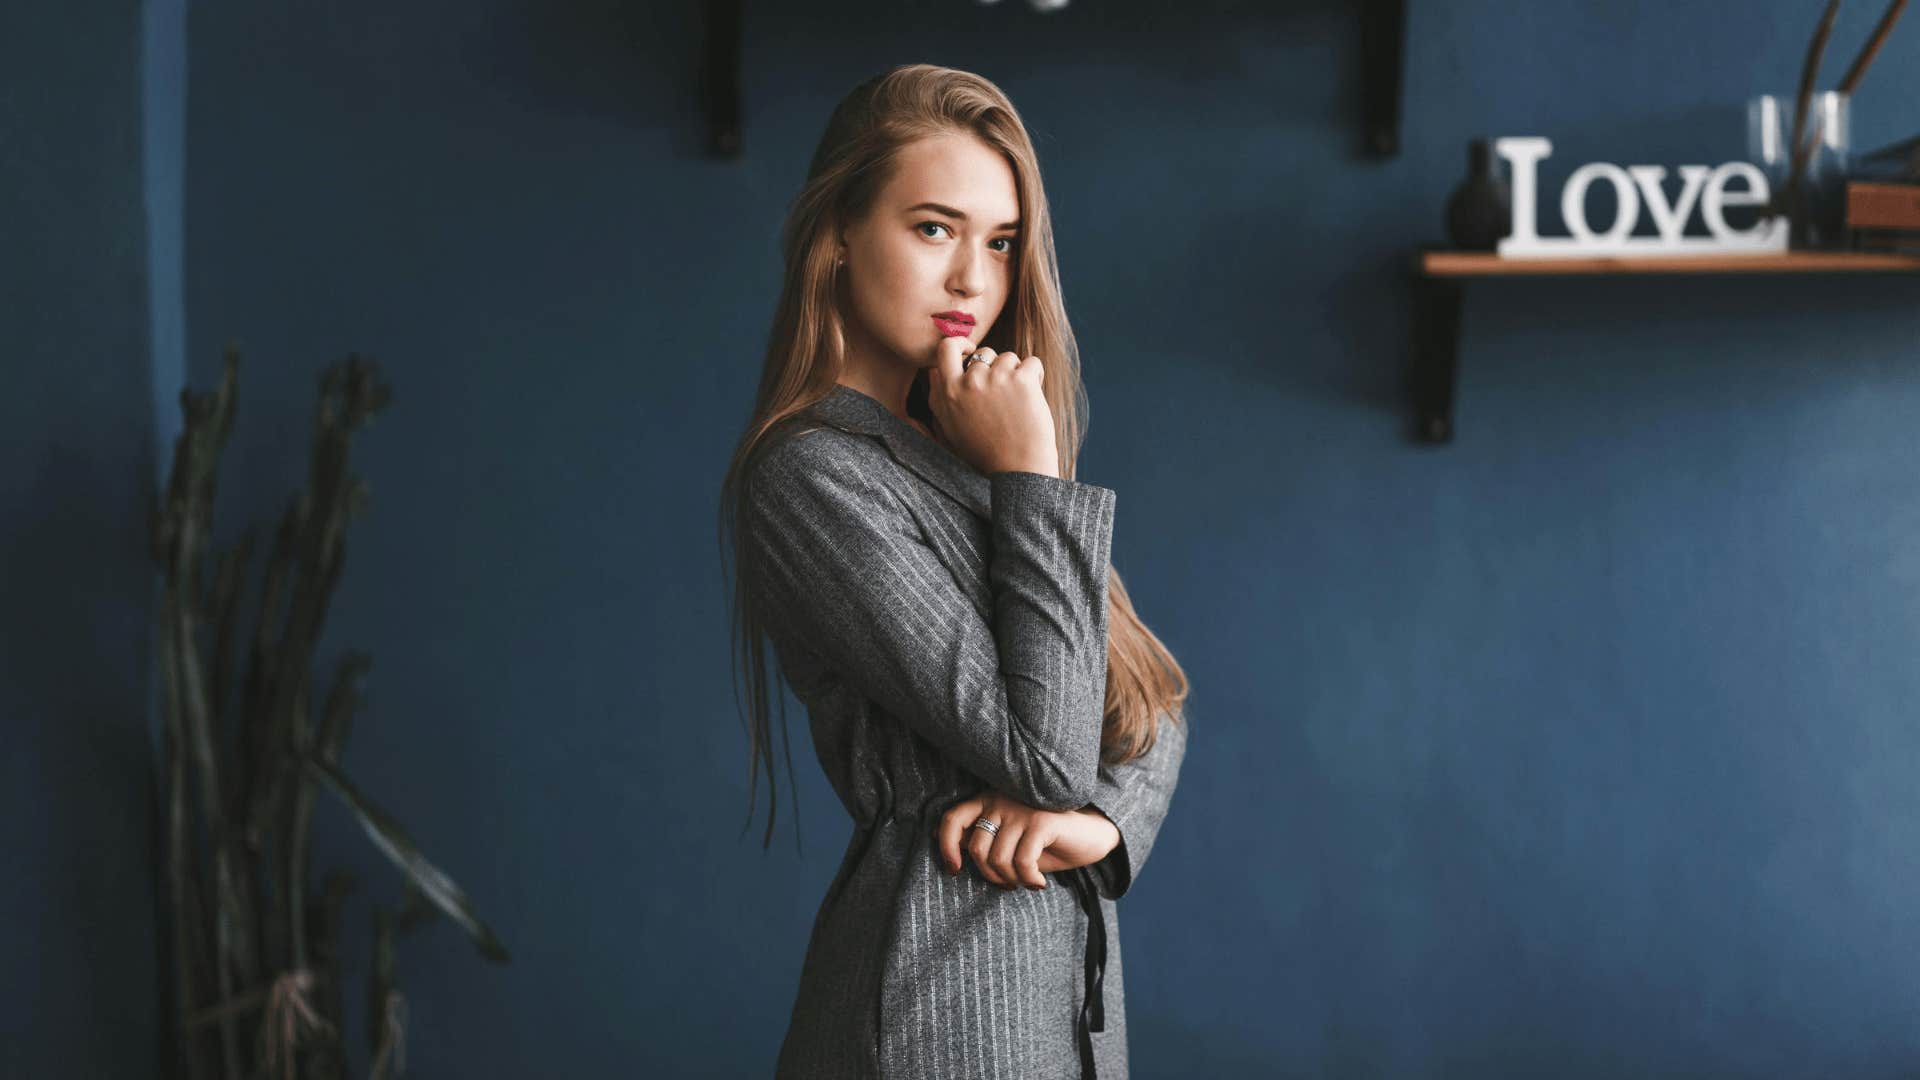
(1816, 202)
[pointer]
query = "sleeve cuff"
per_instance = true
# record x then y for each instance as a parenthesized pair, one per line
(1112, 875)
(1017, 486)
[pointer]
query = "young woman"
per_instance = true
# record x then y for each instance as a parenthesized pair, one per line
(1003, 729)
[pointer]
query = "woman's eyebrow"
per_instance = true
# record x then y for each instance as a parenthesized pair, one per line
(950, 212)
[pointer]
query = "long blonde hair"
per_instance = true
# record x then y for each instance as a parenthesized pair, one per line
(806, 346)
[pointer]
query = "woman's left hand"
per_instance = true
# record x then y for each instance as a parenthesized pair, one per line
(1030, 842)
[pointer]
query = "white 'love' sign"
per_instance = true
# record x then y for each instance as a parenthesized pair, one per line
(1631, 186)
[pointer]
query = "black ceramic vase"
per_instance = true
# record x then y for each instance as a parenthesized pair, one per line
(1480, 210)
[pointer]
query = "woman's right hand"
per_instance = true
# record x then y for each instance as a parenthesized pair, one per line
(995, 416)
(1028, 843)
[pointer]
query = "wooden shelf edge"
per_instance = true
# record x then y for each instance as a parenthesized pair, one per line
(1459, 264)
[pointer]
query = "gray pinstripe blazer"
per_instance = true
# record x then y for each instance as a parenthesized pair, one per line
(947, 632)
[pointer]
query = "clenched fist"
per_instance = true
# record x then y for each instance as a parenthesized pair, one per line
(994, 415)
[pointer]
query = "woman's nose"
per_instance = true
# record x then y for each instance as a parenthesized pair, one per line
(969, 275)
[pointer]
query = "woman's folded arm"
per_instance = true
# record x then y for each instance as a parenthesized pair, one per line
(840, 568)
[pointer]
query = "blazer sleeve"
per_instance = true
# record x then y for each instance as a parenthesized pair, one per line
(840, 566)
(1134, 795)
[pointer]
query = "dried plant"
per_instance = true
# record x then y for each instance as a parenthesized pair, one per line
(1788, 201)
(1858, 69)
(254, 947)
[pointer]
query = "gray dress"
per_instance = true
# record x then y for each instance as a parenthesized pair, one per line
(947, 632)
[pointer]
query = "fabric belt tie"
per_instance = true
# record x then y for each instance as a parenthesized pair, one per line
(1093, 1010)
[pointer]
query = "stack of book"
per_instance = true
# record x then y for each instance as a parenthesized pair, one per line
(1883, 201)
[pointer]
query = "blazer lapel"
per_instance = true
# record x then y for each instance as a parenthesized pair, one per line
(851, 410)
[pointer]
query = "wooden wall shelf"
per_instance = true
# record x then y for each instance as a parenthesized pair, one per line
(1441, 277)
(1383, 52)
(1456, 264)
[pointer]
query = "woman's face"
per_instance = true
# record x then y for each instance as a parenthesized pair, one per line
(942, 237)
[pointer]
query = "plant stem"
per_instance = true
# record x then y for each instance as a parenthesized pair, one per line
(1872, 48)
(1809, 71)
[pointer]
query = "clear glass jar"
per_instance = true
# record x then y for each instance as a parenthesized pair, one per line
(1817, 206)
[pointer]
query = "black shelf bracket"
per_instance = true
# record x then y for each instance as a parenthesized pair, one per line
(1436, 355)
(1440, 282)
(1383, 51)
(723, 77)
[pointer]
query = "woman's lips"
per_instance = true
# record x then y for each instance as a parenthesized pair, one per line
(953, 327)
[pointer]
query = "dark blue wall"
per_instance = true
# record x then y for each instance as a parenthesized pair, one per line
(1577, 748)
(77, 468)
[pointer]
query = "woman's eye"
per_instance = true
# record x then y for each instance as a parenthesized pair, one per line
(1007, 240)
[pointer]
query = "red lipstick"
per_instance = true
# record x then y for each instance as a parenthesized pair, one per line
(954, 323)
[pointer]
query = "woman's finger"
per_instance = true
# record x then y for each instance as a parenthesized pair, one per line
(1000, 856)
(980, 847)
(981, 374)
(1026, 858)
(950, 357)
(953, 828)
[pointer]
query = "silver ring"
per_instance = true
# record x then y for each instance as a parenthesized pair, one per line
(989, 826)
(976, 358)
